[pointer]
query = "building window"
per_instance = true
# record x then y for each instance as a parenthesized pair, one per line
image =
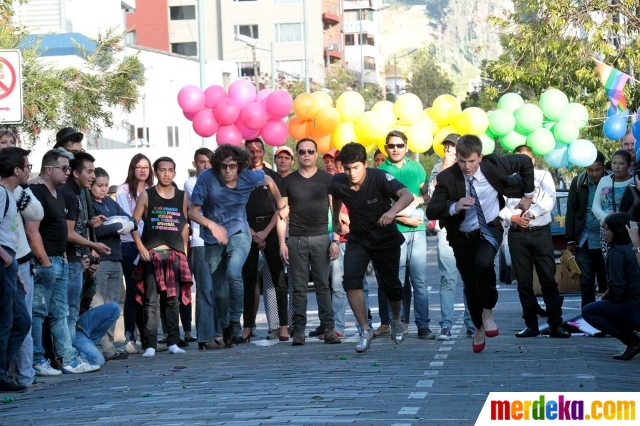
(288, 1)
(187, 49)
(354, 15)
(226, 79)
(140, 132)
(130, 38)
(132, 132)
(369, 39)
(288, 33)
(245, 69)
(293, 68)
(246, 30)
(181, 13)
(172, 136)
(350, 40)
(369, 63)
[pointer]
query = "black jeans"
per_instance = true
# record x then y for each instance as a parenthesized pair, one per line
(151, 306)
(132, 310)
(616, 318)
(534, 246)
(591, 264)
(475, 261)
(386, 261)
(250, 275)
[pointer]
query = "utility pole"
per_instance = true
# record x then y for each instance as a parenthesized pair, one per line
(201, 53)
(361, 51)
(306, 55)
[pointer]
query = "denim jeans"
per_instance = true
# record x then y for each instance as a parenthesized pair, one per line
(109, 287)
(225, 265)
(616, 318)
(24, 358)
(132, 309)
(314, 252)
(339, 300)
(92, 326)
(14, 317)
(414, 252)
(448, 281)
(50, 300)
(74, 295)
(207, 323)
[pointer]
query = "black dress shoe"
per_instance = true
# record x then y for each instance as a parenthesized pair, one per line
(182, 344)
(559, 332)
(227, 335)
(528, 332)
(317, 332)
(631, 351)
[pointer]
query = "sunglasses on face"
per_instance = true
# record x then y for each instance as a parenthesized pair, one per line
(228, 166)
(302, 152)
(397, 145)
(65, 169)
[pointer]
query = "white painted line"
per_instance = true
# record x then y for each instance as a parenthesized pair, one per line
(417, 395)
(443, 356)
(444, 349)
(436, 363)
(448, 342)
(424, 383)
(431, 373)
(408, 410)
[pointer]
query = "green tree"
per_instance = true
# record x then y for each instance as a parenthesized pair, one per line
(82, 98)
(427, 80)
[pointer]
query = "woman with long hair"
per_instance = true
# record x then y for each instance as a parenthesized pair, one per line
(139, 178)
(618, 312)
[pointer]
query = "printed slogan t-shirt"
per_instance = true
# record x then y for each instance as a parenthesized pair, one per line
(164, 221)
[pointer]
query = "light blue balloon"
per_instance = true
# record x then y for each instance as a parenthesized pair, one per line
(582, 153)
(559, 157)
(614, 111)
(615, 127)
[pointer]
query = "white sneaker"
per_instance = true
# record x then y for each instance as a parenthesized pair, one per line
(130, 348)
(44, 368)
(79, 366)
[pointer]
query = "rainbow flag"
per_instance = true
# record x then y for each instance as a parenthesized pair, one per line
(613, 81)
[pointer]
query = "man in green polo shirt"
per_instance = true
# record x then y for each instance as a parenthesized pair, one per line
(414, 250)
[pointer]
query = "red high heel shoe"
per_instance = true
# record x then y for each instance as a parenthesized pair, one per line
(478, 348)
(492, 333)
(283, 338)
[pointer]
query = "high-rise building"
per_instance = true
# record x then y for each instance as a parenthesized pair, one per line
(362, 37)
(172, 25)
(332, 17)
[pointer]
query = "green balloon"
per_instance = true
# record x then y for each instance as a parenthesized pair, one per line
(549, 124)
(510, 102)
(578, 113)
(566, 131)
(501, 122)
(541, 142)
(522, 131)
(488, 144)
(553, 104)
(528, 118)
(512, 141)
(489, 133)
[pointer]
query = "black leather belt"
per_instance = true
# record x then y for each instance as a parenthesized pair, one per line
(259, 219)
(470, 234)
(529, 229)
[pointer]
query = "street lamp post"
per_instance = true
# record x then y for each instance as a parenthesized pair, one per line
(251, 42)
(396, 90)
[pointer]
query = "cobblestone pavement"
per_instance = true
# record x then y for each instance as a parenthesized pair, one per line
(267, 382)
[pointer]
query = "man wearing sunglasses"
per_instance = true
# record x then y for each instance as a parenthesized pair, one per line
(413, 257)
(48, 240)
(306, 191)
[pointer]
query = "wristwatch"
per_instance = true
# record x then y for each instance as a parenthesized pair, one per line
(336, 241)
(636, 249)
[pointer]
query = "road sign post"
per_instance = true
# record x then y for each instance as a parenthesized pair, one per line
(10, 87)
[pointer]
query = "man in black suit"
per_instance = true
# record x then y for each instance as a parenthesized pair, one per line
(467, 201)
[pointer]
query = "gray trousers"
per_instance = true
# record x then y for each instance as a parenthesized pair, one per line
(314, 252)
(109, 286)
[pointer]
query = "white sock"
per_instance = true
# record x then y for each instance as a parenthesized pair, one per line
(174, 349)
(149, 352)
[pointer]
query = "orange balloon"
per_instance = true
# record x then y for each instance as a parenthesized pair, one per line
(324, 143)
(299, 128)
(305, 106)
(327, 119)
(316, 133)
(324, 99)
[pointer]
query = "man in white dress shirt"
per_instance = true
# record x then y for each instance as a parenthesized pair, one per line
(530, 244)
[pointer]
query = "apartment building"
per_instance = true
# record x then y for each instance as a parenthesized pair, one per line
(362, 39)
(332, 18)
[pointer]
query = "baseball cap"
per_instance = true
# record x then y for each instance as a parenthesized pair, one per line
(283, 149)
(332, 153)
(451, 138)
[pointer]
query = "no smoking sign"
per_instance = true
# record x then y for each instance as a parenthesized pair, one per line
(10, 87)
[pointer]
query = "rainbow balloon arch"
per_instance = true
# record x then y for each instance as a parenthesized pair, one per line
(551, 129)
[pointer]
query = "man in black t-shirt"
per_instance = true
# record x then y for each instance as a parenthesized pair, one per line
(78, 223)
(306, 191)
(48, 240)
(263, 218)
(373, 234)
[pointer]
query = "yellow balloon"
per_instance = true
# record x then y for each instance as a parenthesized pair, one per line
(323, 98)
(399, 127)
(385, 109)
(408, 108)
(419, 138)
(345, 133)
(370, 127)
(371, 147)
(327, 119)
(382, 146)
(438, 148)
(472, 121)
(434, 127)
(445, 109)
(350, 105)
(305, 106)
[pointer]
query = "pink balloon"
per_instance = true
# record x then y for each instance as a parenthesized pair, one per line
(242, 91)
(213, 95)
(275, 132)
(191, 99)
(253, 115)
(227, 111)
(262, 95)
(279, 104)
(189, 115)
(247, 133)
(229, 134)
(205, 124)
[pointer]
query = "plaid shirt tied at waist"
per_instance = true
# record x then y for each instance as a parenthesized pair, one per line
(165, 276)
